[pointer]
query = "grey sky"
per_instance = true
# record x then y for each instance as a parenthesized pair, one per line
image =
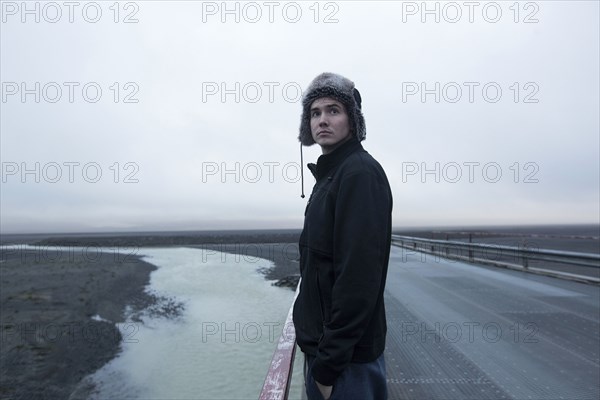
(175, 145)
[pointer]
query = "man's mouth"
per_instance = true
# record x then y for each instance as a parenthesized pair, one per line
(322, 132)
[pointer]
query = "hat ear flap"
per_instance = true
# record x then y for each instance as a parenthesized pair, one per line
(361, 130)
(357, 97)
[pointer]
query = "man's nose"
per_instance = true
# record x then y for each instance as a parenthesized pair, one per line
(323, 120)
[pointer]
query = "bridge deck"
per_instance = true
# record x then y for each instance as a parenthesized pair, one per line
(459, 331)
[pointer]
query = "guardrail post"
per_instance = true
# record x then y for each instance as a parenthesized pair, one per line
(470, 249)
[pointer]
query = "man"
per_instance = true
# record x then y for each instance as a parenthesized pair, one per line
(339, 314)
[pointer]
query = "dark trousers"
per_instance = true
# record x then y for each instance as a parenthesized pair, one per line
(360, 381)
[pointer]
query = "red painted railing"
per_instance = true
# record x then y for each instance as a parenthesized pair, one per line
(279, 377)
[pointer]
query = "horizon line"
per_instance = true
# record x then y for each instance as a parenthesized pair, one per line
(396, 228)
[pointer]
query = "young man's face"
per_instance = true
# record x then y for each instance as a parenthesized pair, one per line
(329, 123)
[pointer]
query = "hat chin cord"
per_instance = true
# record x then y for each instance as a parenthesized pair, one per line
(301, 171)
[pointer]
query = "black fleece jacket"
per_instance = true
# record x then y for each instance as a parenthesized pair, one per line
(339, 314)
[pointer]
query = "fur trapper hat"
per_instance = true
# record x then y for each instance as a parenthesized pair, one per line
(341, 89)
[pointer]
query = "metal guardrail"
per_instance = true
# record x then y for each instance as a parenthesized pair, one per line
(279, 377)
(457, 250)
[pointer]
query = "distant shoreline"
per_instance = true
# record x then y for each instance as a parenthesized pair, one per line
(279, 235)
(281, 246)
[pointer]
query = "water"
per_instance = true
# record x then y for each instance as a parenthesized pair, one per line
(221, 345)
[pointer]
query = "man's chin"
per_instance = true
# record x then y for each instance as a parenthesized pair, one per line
(326, 141)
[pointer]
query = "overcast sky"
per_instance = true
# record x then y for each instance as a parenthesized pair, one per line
(185, 119)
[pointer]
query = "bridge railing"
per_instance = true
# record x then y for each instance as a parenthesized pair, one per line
(503, 255)
(279, 377)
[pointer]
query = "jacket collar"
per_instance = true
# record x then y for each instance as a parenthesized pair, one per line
(327, 162)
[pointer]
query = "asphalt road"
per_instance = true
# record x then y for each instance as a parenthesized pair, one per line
(462, 331)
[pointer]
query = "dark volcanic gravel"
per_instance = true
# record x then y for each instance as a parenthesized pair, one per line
(49, 338)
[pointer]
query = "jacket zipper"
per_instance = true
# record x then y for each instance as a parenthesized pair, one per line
(320, 308)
